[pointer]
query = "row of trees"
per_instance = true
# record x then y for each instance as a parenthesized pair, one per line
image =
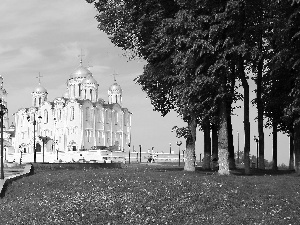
(198, 50)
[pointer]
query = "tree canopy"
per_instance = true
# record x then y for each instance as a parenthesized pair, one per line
(196, 49)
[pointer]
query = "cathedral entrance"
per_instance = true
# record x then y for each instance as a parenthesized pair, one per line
(38, 147)
(73, 148)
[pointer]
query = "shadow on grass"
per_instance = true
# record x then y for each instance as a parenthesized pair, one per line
(260, 172)
(235, 172)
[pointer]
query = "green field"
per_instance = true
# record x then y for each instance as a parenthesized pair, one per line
(151, 194)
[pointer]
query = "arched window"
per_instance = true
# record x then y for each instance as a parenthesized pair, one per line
(40, 100)
(59, 114)
(79, 89)
(72, 113)
(46, 116)
(116, 117)
(91, 94)
(87, 114)
(108, 116)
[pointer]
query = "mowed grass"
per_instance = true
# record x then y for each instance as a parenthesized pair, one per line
(148, 194)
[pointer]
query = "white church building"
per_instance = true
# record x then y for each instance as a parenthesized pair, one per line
(79, 121)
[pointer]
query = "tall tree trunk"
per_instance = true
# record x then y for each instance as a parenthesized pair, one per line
(230, 141)
(260, 114)
(223, 141)
(214, 137)
(223, 132)
(189, 164)
(246, 116)
(207, 145)
(297, 146)
(274, 166)
(292, 161)
(229, 124)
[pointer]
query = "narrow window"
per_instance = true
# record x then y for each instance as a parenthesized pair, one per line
(116, 118)
(72, 113)
(46, 116)
(87, 114)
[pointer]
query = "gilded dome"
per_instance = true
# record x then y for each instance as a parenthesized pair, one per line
(115, 88)
(89, 80)
(40, 89)
(80, 72)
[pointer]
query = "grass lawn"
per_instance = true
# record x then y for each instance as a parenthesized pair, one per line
(151, 194)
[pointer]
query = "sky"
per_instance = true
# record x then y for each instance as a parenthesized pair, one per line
(47, 37)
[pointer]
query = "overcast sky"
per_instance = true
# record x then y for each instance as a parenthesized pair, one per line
(47, 37)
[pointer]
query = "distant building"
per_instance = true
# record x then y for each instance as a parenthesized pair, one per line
(77, 121)
(9, 131)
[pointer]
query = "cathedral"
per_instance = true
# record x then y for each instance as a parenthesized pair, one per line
(78, 121)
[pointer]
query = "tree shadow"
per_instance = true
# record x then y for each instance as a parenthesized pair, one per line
(235, 172)
(261, 172)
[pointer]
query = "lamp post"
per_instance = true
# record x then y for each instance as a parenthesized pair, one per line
(20, 147)
(140, 153)
(256, 139)
(178, 144)
(44, 140)
(238, 155)
(34, 124)
(129, 153)
(170, 148)
(183, 155)
(3, 111)
(55, 142)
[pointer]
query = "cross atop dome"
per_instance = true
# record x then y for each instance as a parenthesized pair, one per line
(115, 74)
(81, 55)
(39, 77)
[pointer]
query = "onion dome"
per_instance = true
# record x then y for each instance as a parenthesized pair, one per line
(40, 89)
(81, 72)
(115, 88)
(89, 80)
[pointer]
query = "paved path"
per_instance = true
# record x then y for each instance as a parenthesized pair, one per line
(11, 173)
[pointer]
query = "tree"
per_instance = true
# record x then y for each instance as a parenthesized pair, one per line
(230, 36)
(282, 88)
(173, 37)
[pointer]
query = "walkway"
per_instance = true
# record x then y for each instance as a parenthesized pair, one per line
(12, 173)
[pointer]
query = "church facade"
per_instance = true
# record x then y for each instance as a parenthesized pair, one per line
(77, 121)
